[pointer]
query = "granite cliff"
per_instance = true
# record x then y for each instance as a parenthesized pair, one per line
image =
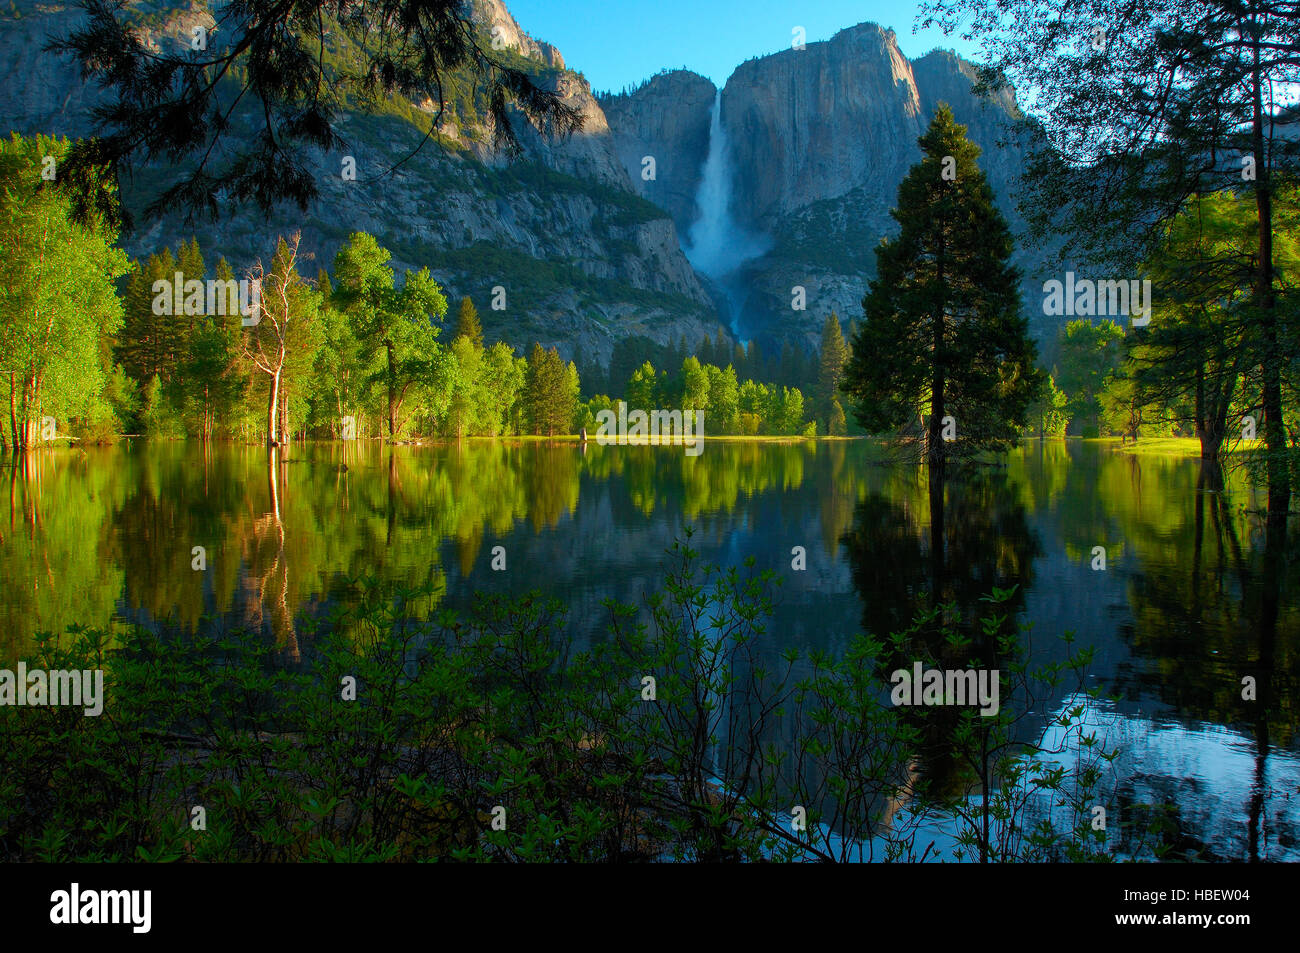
(584, 260)
(819, 139)
(586, 234)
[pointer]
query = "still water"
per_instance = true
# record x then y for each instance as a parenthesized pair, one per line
(1190, 601)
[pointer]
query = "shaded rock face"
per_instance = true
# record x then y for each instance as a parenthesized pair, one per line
(820, 139)
(667, 120)
(583, 260)
(812, 124)
(588, 248)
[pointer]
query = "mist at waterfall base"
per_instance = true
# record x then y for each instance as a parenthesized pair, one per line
(718, 246)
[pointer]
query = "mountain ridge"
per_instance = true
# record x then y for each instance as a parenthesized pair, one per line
(588, 244)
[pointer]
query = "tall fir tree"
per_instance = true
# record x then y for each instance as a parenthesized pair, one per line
(944, 334)
(467, 323)
(832, 356)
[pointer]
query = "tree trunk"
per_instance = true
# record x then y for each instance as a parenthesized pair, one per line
(934, 439)
(13, 410)
(392, 391)
(272, 407)
(1279, 487)
(285, 435)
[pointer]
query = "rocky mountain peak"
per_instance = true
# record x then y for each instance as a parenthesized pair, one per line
(493, 14)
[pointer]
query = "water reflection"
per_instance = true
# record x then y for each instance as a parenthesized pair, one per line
(1197, 594)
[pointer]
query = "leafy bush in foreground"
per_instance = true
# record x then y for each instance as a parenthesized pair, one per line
(483, 738)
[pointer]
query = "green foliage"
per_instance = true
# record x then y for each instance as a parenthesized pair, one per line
(413, 735)
(1088, 354)
(1049, 415)
(357, 344)
(837, 426)
(943, 326)
(58, 305)
(158, 419)
(396, 329)
(550, 392)
(1111, 175)
(833, 355)
(1199, 363)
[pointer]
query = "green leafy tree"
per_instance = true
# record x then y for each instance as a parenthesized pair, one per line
(943, 323)
(471, 400)
(1049, 415)
(753, 406)
(504, 375)
(724, 399)
(57, 297)
(1087, 355)
(836, 426)
(158, 417)
(212, 381)
(397, 327)
(341, 363)
(642, 391)
(1197, 352)
(695, 385)
(786, 412)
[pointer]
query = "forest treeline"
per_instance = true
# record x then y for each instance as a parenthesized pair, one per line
(92, 349)
(100, 345)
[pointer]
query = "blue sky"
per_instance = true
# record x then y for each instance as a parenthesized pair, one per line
(618, 43)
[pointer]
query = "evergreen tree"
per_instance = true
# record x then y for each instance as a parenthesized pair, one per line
(190, 264)
(836, 425)
(212, 381)
(755, 366)
(467, 323)
(551, 392)
(943, 327)
(137, 321)
(832, 356)
(148, 332)
(786, 365)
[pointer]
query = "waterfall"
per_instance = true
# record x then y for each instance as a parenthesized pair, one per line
(718, 246)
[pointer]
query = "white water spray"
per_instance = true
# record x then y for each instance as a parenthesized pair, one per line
(718, 245)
